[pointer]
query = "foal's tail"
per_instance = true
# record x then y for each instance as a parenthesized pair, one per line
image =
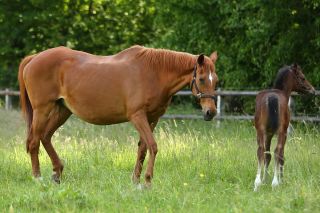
(26, 107)
(273, 110)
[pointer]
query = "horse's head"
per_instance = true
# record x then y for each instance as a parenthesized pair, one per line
(204, 82)
(300, 83)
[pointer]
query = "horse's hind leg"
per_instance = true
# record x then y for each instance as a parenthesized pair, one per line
(260, 155)
(40, 118)
(142, 151)
(58, 116)
(267, 156)
(279, 158)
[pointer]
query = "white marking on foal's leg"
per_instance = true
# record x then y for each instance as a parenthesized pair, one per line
(276, 178)
(265, 174)
(257, 182)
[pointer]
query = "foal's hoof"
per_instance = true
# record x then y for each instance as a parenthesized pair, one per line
(38, 179)
(140, 187)
(56, 178)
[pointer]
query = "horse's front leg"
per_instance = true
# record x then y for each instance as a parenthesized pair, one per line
(141, 123)
(142, 151)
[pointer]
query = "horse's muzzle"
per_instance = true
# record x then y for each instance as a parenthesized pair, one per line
(208, 115)
(312, 91)
(308, 91)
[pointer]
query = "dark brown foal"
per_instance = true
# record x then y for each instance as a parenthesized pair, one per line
(272, 116)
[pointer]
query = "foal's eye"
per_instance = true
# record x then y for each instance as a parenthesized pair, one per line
(202, 80)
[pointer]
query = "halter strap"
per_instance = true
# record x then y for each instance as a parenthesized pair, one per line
(194, 82)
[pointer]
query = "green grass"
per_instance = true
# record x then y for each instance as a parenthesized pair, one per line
(199, 168)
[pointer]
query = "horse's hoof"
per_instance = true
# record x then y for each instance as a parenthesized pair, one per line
(257, 183)
(38, 179)
(275, 183)
(140, 187)
(147, 185)
(56, 178)
(135, 179)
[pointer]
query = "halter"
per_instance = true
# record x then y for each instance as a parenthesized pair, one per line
(199, 93)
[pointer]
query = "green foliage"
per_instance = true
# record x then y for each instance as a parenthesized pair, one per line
(253, 38)
(96, 26)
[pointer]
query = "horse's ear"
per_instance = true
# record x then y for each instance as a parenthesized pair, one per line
(214, 56)
(200, 59)
(294, 66)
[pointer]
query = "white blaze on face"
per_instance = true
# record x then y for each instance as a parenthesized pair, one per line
(210, 77)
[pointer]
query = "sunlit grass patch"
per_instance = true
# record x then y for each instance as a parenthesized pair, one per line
(200, 167)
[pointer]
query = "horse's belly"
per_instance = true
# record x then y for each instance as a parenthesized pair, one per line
(95, 114)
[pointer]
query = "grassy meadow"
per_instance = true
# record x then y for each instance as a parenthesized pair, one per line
(200, 167)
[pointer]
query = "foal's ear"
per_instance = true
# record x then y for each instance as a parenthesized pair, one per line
(214, 56)
(200, 59)
(294, 66)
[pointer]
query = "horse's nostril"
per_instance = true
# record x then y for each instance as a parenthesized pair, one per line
(208, 113)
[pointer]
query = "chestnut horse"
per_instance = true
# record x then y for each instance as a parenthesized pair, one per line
(134, 85)
(272, 116)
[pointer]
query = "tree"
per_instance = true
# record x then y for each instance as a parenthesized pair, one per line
(95, 26)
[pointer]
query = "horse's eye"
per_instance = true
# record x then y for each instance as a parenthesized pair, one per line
(202, 80)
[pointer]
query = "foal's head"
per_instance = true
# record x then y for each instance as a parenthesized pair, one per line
(300, 83)
(204, 82)
(293, 78)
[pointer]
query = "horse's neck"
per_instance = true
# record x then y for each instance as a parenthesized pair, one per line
(285, 86)
(174, 69)
(179, 77)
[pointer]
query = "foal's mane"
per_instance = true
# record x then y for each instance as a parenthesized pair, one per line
(281, 77)
(165, 60)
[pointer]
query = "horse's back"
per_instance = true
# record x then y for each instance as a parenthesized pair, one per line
(271, 110)
(98, 89)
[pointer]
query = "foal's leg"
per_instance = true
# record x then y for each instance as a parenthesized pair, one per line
(260, 155)
(267, 156)
(40, 118)
(142, 151)
(278, 155)
(140, 122)
(57, 117)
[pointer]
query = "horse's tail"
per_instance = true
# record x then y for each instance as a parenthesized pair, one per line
(273, 111)
(26, 107)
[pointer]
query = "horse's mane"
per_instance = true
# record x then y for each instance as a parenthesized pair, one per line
(281, 77)
(165, 59)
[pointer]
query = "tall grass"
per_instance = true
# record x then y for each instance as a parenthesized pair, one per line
(200, 167)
